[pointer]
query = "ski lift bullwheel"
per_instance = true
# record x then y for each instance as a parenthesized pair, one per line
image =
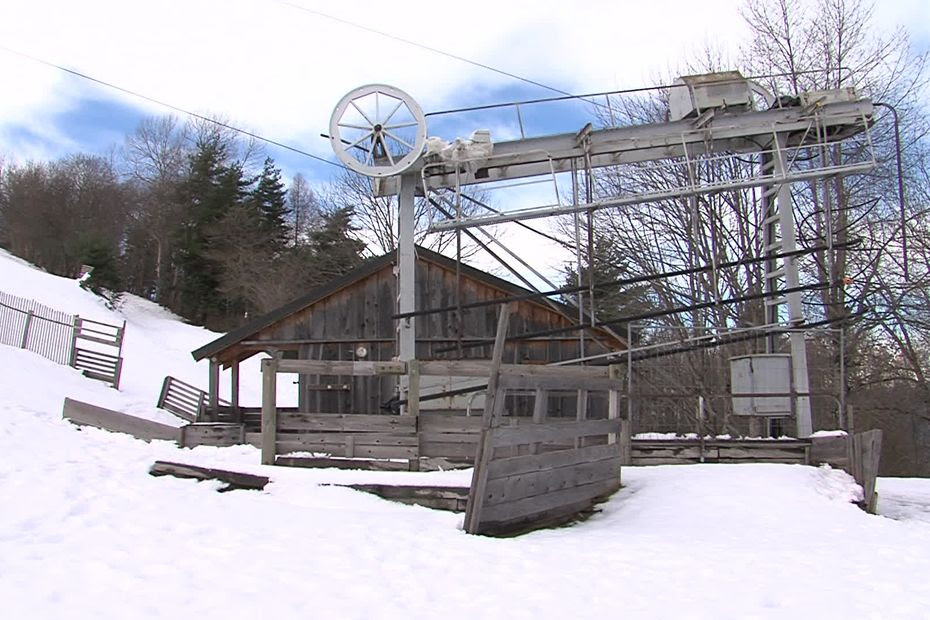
(377, 130)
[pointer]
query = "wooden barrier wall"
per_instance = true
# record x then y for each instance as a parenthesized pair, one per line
(539, 487)
(85, 414)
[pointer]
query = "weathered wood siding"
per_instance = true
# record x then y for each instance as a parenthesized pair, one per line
(360, 316)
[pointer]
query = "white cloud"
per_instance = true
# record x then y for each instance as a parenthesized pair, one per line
(278, 70)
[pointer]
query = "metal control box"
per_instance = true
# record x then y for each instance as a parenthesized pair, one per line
(692, 94)
(752, 375)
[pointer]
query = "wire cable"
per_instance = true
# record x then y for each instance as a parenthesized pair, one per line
(169, 106)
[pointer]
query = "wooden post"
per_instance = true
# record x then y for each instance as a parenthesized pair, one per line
(269, 410)
(75, 329)
(413, 388)
(234, 391)
(540, 402)
(25, 341)
(214, 387)
(493, 407)
(613, 400)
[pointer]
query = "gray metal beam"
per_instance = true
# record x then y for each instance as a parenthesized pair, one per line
(748, 132)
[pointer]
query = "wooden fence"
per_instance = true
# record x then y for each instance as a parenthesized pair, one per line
(60, 337)
(29, 325)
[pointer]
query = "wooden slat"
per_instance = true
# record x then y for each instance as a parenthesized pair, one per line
(449, 450)
(551, 432)
(368, 439)
(449, 423)
(502, 468)
(867, 448)
(345, 422)
(85, 414)
(211, 434)
(370, 451)
(538, 507)
(314, 462)
(550, 480)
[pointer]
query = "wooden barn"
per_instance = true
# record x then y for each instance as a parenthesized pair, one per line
(351, 319)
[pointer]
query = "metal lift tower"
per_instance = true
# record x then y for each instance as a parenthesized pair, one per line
(380, 131)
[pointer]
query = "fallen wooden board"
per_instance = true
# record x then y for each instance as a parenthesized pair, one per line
(85, 414)
(233, 479)
(453, 499)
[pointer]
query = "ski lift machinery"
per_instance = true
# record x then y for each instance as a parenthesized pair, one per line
(380, 131)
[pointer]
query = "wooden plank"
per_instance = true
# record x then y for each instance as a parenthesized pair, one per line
(502, 468)
(211, 434)
(345, 422)
(344, 367)
(550, 480)
(538, 506)
(323, 462)
(438, 423)
(359, 439)
(233, 479)
(85, 414)
(552, 432)
(494, 402)
(363, 451)
(867, 448)
(761, 452)
(449, 450)
(662, 460)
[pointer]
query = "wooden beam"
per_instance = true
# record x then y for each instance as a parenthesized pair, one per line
(233, 479)
(335, 367)
(493, 406)
(269, 409)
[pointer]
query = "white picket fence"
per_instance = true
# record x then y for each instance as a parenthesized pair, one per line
(59, 337)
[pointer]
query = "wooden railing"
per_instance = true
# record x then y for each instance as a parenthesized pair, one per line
(184, 400)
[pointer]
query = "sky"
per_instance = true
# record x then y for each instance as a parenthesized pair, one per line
(278, 67)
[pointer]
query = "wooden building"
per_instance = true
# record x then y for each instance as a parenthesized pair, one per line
(350, 318)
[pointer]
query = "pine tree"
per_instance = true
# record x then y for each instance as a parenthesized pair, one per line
(335, 249)
(269, 198)
(214, 186)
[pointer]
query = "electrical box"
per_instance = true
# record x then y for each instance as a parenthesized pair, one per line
(761, 374)
(692, 94)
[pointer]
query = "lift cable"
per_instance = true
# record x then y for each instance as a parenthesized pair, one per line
(622, 282)
(170, 106)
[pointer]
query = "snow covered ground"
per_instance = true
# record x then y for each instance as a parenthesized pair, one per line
(85, 532)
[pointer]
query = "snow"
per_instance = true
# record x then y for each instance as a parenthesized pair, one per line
(85, 532)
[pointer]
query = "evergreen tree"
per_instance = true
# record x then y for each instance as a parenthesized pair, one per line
(335, 248)
(269, 198)
(214, 185)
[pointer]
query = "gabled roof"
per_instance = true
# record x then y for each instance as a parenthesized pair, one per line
(366, 269)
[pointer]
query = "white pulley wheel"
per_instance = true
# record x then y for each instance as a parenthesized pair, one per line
(377, 130)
